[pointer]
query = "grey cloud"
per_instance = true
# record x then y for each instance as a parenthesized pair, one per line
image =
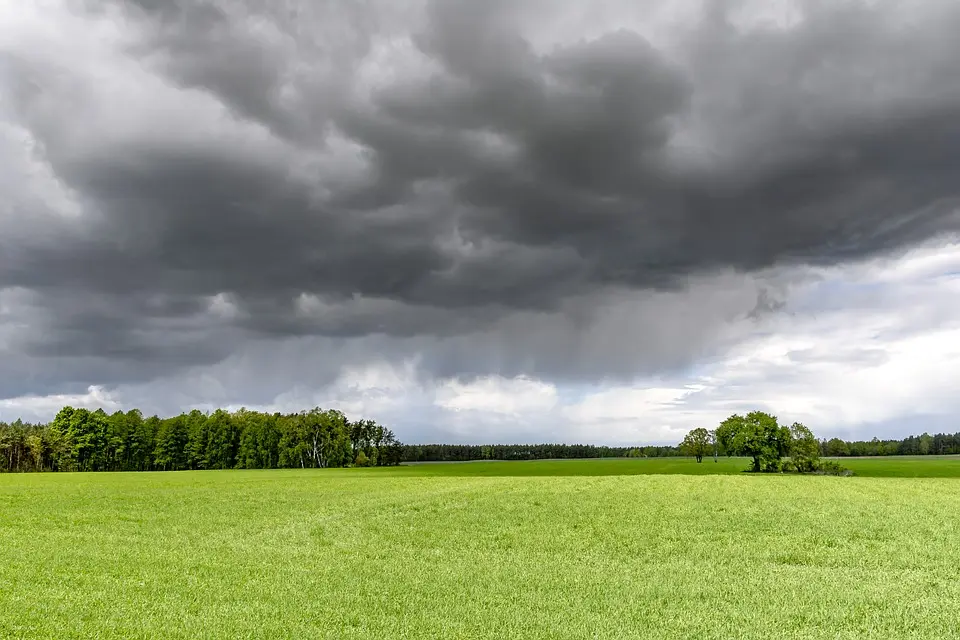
(484, 203)
(861, 358)
(62, 341)
(282, 64)
(766, 303)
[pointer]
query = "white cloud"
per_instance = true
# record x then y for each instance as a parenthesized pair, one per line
(222, 306)
(41, 408)
(837, 370)
(498, 395)
(369, 391)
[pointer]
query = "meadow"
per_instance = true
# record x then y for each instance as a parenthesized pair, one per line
(546, 549)
(879, 467)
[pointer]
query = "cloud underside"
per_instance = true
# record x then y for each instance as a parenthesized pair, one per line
(510, 189)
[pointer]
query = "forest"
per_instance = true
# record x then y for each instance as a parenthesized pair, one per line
(83, 440)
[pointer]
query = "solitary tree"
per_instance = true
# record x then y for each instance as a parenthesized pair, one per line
(758, 436)
(697, 443)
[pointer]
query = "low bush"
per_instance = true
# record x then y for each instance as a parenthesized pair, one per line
(832, 468)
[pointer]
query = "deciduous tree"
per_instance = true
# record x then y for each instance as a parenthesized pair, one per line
(697, 443)
(757, 435)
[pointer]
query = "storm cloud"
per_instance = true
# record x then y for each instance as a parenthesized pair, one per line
(511, 188)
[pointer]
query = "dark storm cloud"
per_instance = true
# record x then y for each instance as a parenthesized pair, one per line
(465, 184)
(62, 341)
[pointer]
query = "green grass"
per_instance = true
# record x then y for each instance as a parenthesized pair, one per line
(595, 467)
(400, 554)
(904, 466)
(890, 466)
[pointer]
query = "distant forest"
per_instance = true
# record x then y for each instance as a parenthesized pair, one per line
(83, 440)
(464, 452)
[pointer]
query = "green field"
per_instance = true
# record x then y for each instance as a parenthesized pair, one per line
(884, 467)
(550, 549)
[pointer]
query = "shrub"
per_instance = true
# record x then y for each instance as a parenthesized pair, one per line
(362, 460)
(832, 468)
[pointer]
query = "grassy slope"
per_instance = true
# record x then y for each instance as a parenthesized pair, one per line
(360, 554)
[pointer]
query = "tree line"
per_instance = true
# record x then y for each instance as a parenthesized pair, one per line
(925, 444)
(467, 452)
(83, 440)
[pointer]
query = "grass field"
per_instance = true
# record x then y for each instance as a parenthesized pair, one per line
(884, 467)
(554, 549)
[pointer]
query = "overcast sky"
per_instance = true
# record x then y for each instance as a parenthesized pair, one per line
(541, 220)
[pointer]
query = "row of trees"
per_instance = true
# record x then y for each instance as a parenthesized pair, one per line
(772, 447)
(922, 445)
(466, 452)
(79, 439)
(82, 440)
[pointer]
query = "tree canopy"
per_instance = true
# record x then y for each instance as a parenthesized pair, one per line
(758, 436)
(81, 440)
(804, 448)
(698, 443)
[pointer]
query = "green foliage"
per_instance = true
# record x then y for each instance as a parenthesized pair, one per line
(170, 453)
(831, 468)
(835, 447)
(698, 443)
(758, 436)
(804, 448)
(259, 441)
(362, 460)
(81, 440)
